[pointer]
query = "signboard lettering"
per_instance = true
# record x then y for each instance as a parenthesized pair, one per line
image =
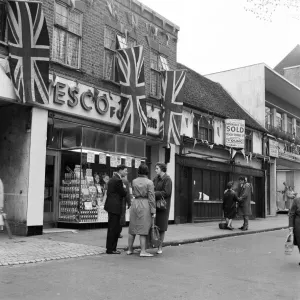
(273, 148)
(235, 133)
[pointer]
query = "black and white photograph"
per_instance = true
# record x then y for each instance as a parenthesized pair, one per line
(149, 149)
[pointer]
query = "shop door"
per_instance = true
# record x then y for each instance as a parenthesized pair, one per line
(51, 189)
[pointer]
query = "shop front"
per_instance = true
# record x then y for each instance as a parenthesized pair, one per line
(201, 179)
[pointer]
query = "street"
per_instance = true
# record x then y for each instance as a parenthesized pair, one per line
(245, 267)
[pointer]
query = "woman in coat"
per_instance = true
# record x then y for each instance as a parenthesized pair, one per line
(163, 190)
(142, 210)
(244, 208)
(294, 221)
(229, 205)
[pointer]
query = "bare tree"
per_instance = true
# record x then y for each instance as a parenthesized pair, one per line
(265, 9)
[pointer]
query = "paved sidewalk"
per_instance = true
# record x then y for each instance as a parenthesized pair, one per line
(61, 245)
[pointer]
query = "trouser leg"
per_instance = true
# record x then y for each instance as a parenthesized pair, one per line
(113, 232)
(246, 222)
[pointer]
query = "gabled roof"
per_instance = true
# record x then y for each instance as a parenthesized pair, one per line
(209, 96)
(291, 60)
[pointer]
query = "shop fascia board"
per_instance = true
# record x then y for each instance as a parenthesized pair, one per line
(86, 150)
(206, 156)
(281, 87)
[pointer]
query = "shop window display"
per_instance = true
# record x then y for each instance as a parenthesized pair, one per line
(88, 158)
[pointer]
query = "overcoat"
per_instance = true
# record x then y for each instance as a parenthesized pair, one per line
(229, 204)
(244, 207)
(126, 200)
(294, 220)
(163, 188)
(115, 194)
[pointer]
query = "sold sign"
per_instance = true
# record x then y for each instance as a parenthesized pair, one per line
(235, 133)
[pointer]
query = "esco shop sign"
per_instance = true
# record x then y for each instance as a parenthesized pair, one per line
(235, 133)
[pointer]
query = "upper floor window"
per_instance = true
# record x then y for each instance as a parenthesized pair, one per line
(248, 140)
(268, 115)
(298, 128)
(279, 120)
(2, 22)
(157, 63)
(113, 40)
(289, 125)
(203, 130)
(67, 36)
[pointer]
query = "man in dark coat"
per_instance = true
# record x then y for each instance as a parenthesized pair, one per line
(244, 201)
(116, 191)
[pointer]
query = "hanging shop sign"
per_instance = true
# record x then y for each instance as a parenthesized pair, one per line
(273, 148)
(153, 120)
(235, 133)
(102, 158)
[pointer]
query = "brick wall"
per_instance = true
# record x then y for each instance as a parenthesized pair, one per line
(94, 20)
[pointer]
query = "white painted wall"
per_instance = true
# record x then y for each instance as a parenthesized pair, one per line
(247, 86)
(257, 142)
(37, 157)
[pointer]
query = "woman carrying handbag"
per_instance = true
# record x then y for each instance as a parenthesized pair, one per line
(163, 191)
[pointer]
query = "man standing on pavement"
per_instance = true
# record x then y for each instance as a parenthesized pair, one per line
(116, 191)
(244, 198)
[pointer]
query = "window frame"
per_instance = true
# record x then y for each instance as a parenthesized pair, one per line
(279, 116)
(248, 140)
(206, 125)
(289, 128)
(297, 128)
(268, 116)
(68, 33)
(4, 41)
(119, 39)
(158, 63)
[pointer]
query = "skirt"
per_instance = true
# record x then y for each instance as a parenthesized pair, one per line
(140, 217)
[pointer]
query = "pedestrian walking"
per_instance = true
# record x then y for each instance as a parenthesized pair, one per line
(244, 202)
(116, 191)
(125, 201)
(230, 200)
(142, 211)
(294, 221)
(163, 191)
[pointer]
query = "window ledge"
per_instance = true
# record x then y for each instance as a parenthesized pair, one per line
(66, 66)
(111, 81)
(3, 43)
(154, 97)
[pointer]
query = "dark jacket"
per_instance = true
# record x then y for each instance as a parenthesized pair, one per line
(163, 189)
(115, 195)
(245, 200)
(229, 204)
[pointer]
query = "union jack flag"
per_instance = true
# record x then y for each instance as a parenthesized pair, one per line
(171, 111)
(28, 44)
(130, 62)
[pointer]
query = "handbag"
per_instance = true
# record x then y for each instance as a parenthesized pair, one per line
(289, 244)
(161, 204)
(154, 236)
(223, 225)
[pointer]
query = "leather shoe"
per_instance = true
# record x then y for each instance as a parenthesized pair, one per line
(113, 252)
(244, 229)
(241, 228)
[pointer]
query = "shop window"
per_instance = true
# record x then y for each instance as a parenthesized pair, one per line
(113, 40)
(158, 63)
(248, 140)
(268, 116)
(203, 130)
(2, 22)
(289, 125)
(67, 36)
(279, 120)
(209, 185)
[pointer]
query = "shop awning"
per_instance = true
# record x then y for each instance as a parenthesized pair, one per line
(7, 92)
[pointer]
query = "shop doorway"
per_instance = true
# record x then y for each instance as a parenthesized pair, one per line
(51, 188)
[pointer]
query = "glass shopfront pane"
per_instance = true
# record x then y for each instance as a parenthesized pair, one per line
(71, 137)
(215, 185)
(206, 185)
(197, 184)
(98, 140)
(136, 147)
